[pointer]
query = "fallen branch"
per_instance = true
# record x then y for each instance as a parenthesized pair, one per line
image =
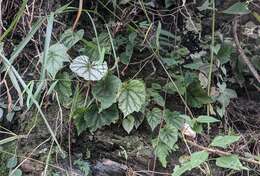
(221, 153)
(242, 53)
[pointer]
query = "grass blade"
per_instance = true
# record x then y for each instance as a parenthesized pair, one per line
(15, 21)
(7, 63)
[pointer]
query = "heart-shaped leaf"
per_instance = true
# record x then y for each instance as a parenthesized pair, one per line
(92, 119)
(89, 70)
(128, 123)
(131, 97)
(56, 57)
(161, 150)
(105, 91)
(169, 135)
(154, 117)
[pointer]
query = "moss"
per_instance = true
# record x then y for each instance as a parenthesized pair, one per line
(4, 156)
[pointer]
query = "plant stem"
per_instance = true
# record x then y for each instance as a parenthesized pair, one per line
(211, 50)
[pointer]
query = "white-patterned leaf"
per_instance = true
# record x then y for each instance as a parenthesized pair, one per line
(131, 97)
(89, 70)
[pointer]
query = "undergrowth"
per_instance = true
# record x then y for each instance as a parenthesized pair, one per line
(138, 64)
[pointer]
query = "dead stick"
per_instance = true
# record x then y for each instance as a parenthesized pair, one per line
(242, 53)
(78, 14)
(221, 153)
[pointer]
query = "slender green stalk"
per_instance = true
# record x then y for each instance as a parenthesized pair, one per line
(211, 49)
(100, 50)
(47, 45)
(114, 52)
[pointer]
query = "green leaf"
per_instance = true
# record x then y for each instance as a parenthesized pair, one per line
(154, 117)
(131, 97)
(216, 48)
(45, 55)
(225, 52)
(224, 141)
(196, 96)
(57, 55)
(207, 5)
(224, 98)
(96, 120)
(126, 56)
(155, 96)
(239, 8)
(91, 48)
(230, 162)
(196, 160)
(169, 135)
(90, 118)
(11, 162)
(225, 95)
(129, 49)
(161, 150)
(63, 87)
(169, 3)
(174, 119)
(88, 70)
(256, 61)
(132, 36)
(106, 90)
(69, 38)
(196, 65)
(79, 120)
(17, 172)
(128, 123)
(180, 83)
(83, 166)
(206, 119)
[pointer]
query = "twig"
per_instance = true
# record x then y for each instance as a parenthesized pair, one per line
(242, 53)
(221, 153)
(78, 14)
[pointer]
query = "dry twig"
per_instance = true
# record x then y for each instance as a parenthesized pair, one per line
(242, 53)
(78, 14)
(221, 153)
